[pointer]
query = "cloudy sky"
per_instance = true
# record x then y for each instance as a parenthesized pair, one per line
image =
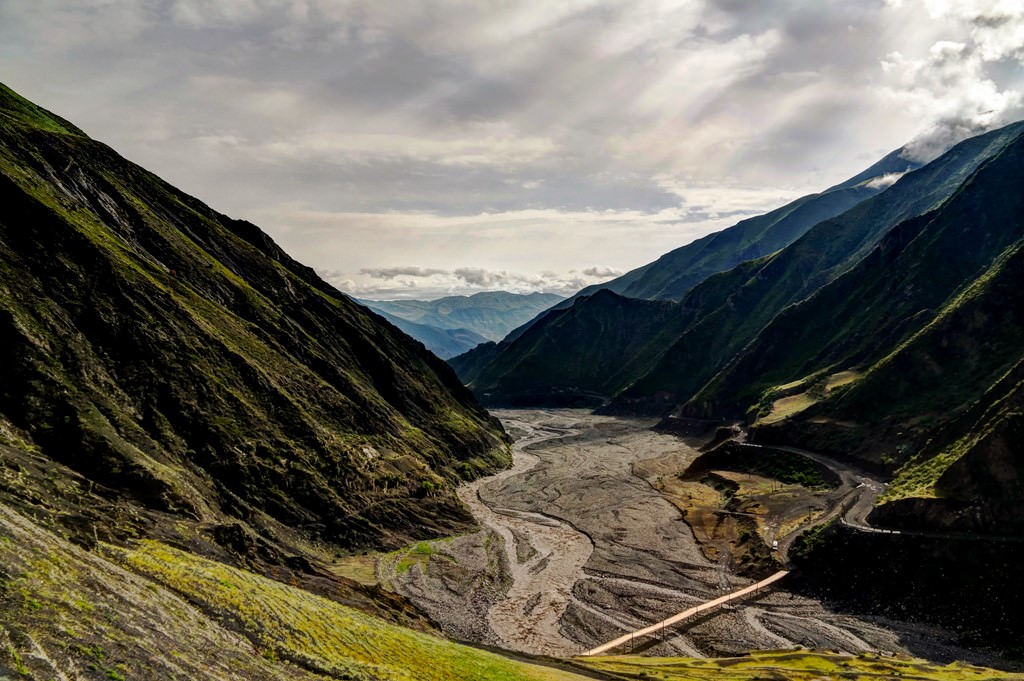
(411, 148)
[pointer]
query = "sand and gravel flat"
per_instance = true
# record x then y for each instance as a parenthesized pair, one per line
(577, 547)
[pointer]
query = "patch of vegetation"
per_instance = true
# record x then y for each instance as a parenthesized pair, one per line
(779, 464)
(789, 666)
(320, 634)
(804, 545)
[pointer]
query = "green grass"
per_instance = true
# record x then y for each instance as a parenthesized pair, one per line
(16, 108)
(287, 623)
(319, 634)
(786, 407)
(790, 666)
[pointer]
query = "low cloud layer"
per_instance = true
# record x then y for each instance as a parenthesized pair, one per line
(424, 282)
(524, 137)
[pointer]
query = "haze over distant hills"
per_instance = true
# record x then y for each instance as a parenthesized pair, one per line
(452, 325)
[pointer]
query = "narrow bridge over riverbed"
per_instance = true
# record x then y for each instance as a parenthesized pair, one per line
(660, 627)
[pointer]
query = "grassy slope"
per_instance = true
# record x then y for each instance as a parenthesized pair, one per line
(607, 333)
(965, 359)
(791, 666)
(896, 290)
(730, 309)
(166, 350)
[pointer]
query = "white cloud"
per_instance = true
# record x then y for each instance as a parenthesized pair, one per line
(602, 272)
(883, 181)
(954, 87)
(505, 140)
(395, 272)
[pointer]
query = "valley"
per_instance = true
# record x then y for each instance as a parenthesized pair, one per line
(577, 546)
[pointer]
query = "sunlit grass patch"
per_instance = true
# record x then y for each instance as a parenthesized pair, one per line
(787, 406)
(319, 634)
(790, 666)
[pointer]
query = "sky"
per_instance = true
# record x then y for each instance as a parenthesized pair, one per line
(415, 149)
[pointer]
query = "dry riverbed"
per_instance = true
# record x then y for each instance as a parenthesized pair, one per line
(577, 546)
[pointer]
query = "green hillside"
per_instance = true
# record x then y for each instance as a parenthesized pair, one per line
(670, 363)
(609, 332)
(918, 268)
(183, 362)
(193, 425)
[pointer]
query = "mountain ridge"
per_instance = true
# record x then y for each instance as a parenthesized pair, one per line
(167, 351)
(728, 309)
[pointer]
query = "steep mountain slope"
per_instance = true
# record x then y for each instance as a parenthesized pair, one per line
(731, 309)
(723, 313)
(604, 333)
(927, 333)
(898, 289)
(444, 343)
(672, 275)
(944, 406)
(491, 314)
(184, 365)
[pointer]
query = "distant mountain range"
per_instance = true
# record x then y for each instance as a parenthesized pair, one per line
(888, 331)
(452, 325)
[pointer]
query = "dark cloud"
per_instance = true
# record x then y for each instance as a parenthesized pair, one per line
(393, 272)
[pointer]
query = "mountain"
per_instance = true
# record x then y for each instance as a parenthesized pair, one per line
(731, 309)
(491, 314)
(719, 316)
(672, 275)
(911, 355)
(195, 376)
(890, 336)
(608, 335)
(444, 343)
(192, 425)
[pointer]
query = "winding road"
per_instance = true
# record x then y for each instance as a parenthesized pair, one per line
(852, 501)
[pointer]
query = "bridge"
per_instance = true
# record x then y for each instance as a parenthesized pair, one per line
(660, 627)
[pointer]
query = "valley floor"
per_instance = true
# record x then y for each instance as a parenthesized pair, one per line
(578, 546)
